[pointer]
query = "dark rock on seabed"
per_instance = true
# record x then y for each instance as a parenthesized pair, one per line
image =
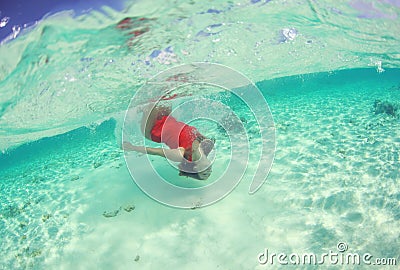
(385, 107)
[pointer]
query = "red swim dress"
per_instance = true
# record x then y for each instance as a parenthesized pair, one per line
(174, 134)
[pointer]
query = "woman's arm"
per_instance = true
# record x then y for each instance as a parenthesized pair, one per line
(172, 154)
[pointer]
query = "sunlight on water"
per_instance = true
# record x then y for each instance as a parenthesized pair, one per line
(87, 68)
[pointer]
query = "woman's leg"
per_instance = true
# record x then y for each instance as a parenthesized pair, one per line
(151, 113)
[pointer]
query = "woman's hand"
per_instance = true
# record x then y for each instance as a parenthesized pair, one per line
(127, 146)
(202, 164)
(203, 168)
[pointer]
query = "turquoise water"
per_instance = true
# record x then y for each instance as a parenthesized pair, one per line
(67, 197)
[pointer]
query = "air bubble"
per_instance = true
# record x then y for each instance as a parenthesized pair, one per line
(16, 29)
(4, 21)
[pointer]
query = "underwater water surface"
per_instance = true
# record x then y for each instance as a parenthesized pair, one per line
(331, 76)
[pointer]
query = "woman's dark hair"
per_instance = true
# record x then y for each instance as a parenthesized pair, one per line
(186, 167)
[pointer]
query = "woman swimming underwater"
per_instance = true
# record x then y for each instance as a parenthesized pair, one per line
(187, 145)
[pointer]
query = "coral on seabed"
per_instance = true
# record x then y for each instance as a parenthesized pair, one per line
(385, 107)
